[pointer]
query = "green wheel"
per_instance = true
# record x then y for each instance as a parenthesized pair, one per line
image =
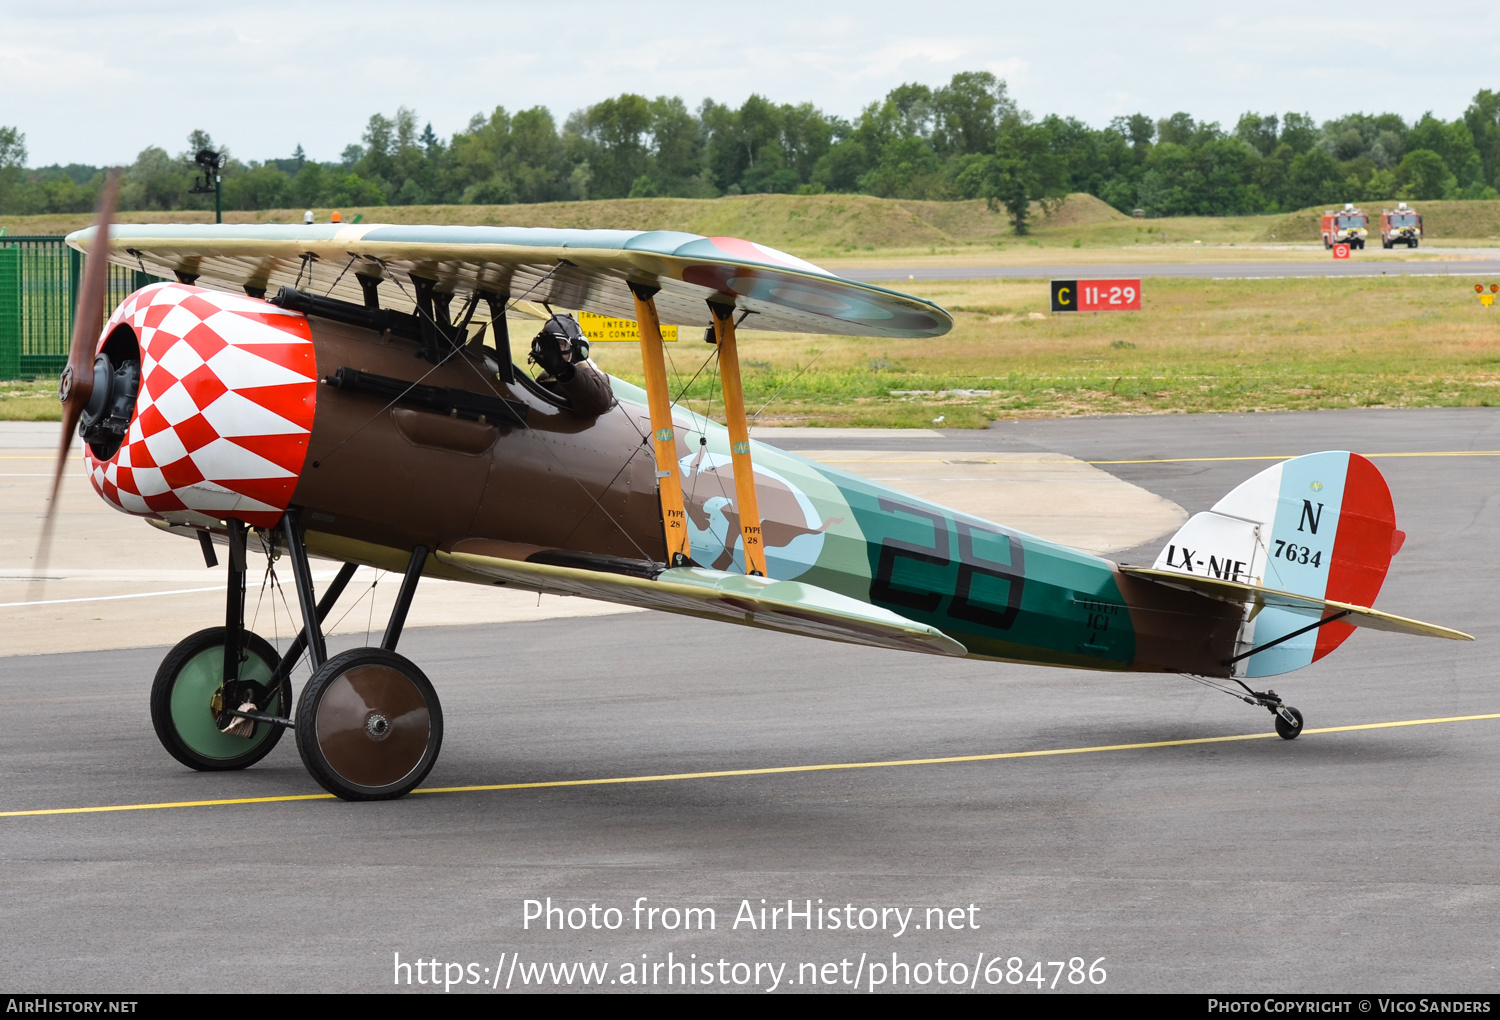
(182, 702)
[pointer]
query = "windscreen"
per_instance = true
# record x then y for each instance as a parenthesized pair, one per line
(1403, 219)
(1351, 221)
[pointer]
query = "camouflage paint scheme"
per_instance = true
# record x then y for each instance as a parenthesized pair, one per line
(942, 567)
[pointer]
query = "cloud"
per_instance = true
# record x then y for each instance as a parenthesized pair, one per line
(96, 82)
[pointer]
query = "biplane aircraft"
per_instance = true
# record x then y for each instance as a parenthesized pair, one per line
(349, 392)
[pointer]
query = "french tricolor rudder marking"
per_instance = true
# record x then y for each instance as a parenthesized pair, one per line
(1331, 538)
(1321, 526)
(1366, 540)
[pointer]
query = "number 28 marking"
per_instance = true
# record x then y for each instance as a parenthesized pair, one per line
(883, 589)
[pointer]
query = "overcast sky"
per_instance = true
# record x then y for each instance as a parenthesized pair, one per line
(94, 82)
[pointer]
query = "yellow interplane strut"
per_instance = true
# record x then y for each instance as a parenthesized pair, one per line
(739, 439)
(663, 437)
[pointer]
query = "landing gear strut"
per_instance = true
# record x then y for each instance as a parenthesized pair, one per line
(1288, 719)
(368, 724)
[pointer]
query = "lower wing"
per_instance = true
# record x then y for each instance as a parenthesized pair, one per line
(788, 606)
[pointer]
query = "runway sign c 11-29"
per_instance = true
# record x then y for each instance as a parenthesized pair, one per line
(1096, 295)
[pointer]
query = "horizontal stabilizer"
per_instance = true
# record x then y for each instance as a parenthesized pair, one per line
(1302, 605)
(788, 606)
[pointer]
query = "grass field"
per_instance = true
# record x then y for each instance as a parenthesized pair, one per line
(1197, 345)
(1240, 345)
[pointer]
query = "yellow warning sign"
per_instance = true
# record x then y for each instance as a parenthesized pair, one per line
(602, 329)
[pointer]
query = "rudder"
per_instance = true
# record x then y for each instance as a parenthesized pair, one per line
(1322, 525)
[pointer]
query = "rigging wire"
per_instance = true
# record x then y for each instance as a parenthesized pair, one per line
(527, 429)
(703, 438)
(793, 379)
(682, 392)
(336, 279)
(355, 604)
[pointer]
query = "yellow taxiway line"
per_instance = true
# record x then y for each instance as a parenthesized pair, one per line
(1196, 460)
(771, 771)
(978, 459)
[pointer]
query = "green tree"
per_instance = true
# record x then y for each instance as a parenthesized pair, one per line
(343, 190)
(1094, 161)
(1313, 178)
(1298, 132)
(1272, 178)
(969, 112)
(1172, 183)
(259, 187)
(842, 166)
(1453, 143)
(308, 187)
(375, 162)
(12, 163)
(1423, 175)
(616, 133)
(1181, 129)
(1138, 129)
(913, 103)
(155, 181)
(908, 168)
(1483, 120)
(1260, 133)
(1023, 170)
(676, 149)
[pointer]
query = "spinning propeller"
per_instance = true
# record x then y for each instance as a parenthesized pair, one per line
(77, 387)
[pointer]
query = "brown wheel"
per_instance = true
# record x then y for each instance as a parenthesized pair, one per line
(369, 725)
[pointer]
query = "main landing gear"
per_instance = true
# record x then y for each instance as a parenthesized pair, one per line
(1288, 719)
(368, 723)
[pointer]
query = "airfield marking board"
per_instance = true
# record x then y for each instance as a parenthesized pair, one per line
(1096, 295)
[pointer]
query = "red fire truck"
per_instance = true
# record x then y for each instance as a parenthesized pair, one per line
(1350, 226)
(1404, 226)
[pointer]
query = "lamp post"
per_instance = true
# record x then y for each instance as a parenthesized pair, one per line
(211, 162)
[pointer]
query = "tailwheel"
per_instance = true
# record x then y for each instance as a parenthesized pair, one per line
(1288, 722)
(369, 725)
(1288, 719)
(190, 706)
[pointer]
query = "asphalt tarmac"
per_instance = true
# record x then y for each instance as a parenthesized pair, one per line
(1363, 859)
(1360, 264)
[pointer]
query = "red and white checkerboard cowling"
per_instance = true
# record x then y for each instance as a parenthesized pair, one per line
(221, 425)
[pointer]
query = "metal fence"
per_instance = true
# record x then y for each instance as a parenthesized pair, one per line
(39, 278)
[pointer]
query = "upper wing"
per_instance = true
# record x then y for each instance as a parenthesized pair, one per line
(789, 606)
(1313, 608)
(576, 269)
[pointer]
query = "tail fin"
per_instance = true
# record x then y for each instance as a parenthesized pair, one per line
(1321, 526)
